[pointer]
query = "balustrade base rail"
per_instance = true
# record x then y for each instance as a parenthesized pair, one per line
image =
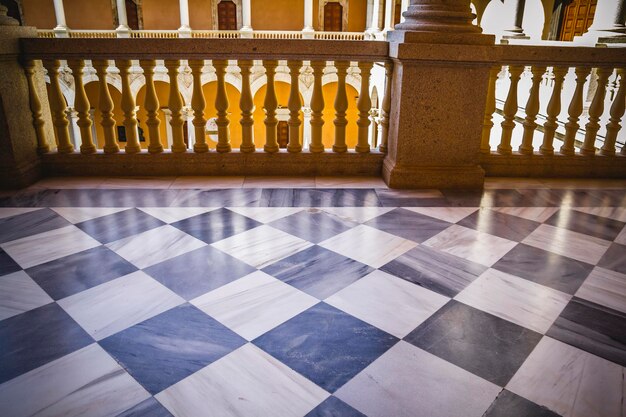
(553, 166)
(219, 164)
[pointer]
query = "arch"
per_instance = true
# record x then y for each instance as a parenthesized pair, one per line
(214, 16)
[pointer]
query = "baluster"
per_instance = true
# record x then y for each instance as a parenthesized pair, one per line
(553, 110)
(295, 105)
(364, 105)
(270, 104)
(510, 110)
(317, 107)
(82, 106)
(197, 105)
(128, 108)
(246, 103)
(58, 108)
(175, 105)
(151, 104)
(617, 111)
(575, 110)
(595, 112)
(105, 102)
(221, 105)
(532, 108)
(341, 105)
(490, 108)
(35, 108)
(385, 108)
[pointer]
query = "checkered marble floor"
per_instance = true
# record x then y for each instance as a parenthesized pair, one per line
(313, 302)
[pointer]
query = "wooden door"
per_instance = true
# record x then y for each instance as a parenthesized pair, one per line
(227, 15)
(132, 14)
(333, 17)
(577, 17)
(283, 134)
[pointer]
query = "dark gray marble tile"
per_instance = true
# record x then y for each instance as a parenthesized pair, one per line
(236, 197)
(408, 198)
(78, 272)
(496, 198)
(7, 264)
(500, 224)
(108, 198)
(509, 404)
(32, 223)
(199, 271)
(107, 229)
(34, 338)
(478, 342)
(543, 267)
(435, 270)
(216, 225)
(171, 346)
(593, 328)
(300, 197)
(409, 225)
(313, 225)
(26, 198)
(565, 197)
(614, 258)
(326, 345)
(334, 407)
(588, 224)
(147, 408)
(318, 271)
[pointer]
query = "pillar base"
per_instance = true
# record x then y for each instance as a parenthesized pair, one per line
(123, 31)
(308, 33)
(440, 177)
(246, 32)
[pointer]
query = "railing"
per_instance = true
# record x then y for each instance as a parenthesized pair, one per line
(336, 36)
(152, 34)
(189, 56)
(574, 101)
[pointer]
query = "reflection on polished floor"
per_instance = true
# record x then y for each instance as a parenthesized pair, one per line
(312, 297)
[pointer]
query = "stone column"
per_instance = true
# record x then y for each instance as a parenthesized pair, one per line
(246, 15)
(61, 29)
(375, 23)
(308, 31)
(516, 31)
(184, 31)
(389, 15)
(441, 65)
(403, 8)
(608, 23)
(123, 31)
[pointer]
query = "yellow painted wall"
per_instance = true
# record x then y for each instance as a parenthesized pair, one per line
(92, 14)
(357, 16)
(39, 13)
(328, 130)
(200, 14)
(277, 14)
(161, 14)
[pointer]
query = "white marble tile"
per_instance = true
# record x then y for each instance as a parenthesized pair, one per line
(87, 382)
(154, 246)
(570, 381)
(605, 287)
(410, 382)
(476, 246)
(174, 214)
(448, 214)
(368, 245)
(254, 304)
(48, 246)
(517, 300)
(208, 182)
(568, 243)
(246, 383)
(537, 214)
(621, 238)
(615, 213)
(15, 211)
(19, 293)
(137, 182)
(262, 246)
(389, 303)
(118, 304)
(279, 182)
(81, 214)
(357, 214)
(349, 182)
(266, 214)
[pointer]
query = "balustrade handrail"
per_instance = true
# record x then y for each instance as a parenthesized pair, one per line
(560, 55)
(60, 48)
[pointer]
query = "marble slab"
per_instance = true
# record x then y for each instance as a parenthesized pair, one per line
(246, 383)
(175, 214)
(588, 224)
(216, 198)
(334, 407)
(15, 211)
(32, 223)
(408, 382)
(614, 258)
(448, 214)
(409, 225)
(208, 182)
(215, 225)
(261, 246)
(357, 214)
(7, 264)
(254, 304)
(313, 225)
(320, 197)
(265, 214)
(116, 305)
(147, 408)
(279, 182)
(515, 299)
(80, 214)
(615, 213)
(536, 214)
(19, 293)
(120, 225)
(349, 182)
(564, 242)
(368, 245)
(86, 382)
(621, 238)
(389, 303)
(570, 381)
(48, 246)
(605, 287)
(499, 224)
(512, 405)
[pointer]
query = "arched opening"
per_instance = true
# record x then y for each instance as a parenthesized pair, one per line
(333, 17)
(227, 15)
